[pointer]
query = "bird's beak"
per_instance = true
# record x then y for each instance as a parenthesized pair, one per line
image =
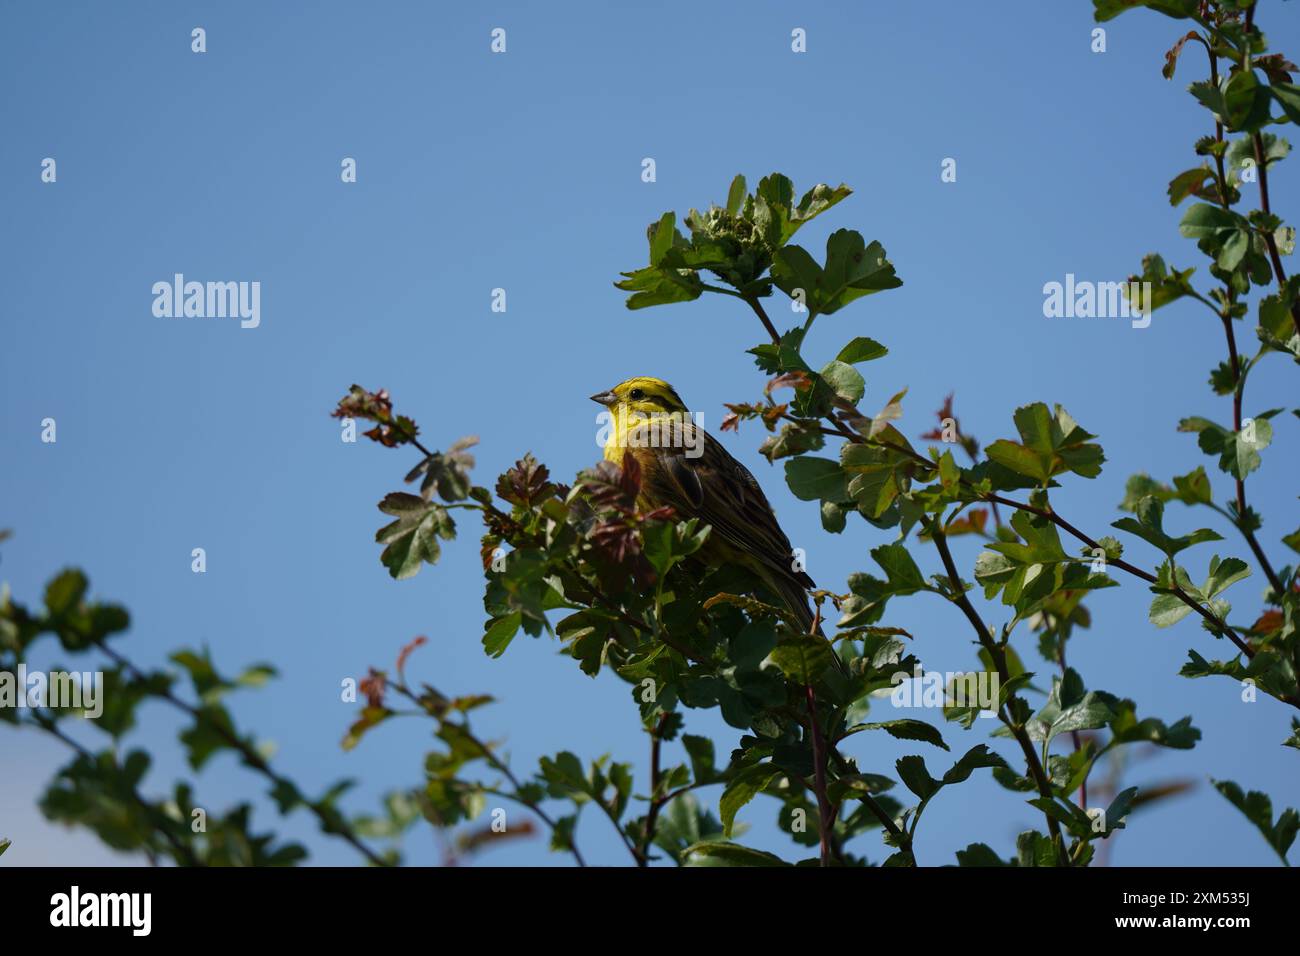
(604, 398)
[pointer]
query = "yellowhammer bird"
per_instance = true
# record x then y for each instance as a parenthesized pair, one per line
(685, 467)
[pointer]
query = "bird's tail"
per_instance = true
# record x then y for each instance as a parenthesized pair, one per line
(795, 597)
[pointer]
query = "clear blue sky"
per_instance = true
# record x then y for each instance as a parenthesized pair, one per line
(522, 171)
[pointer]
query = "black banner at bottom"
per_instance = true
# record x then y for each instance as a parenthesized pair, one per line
(365, 906)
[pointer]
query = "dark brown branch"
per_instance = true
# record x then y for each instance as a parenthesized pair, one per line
(652, 815)
(762, 317)
(825, 814)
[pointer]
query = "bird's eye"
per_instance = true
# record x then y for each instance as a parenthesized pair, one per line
(636, 394)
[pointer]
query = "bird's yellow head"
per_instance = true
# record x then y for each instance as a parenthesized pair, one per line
(642, 396)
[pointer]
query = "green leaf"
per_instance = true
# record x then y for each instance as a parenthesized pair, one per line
(370, 718)
(211, 732)
(912, 771)
(1245, 100)
(564, 772)
(1050, 443)
(853, 269)
(654, 286)
(1193, 488)
(1238, 451)
(1104, 10)
(776, 216)
(774, 359)
(661, 237)
(500, 632)
(1189, 183)
(1041, 544)
(700, 750)
(742, 788)
(1224, 574)
(1119, 808)
(979, 854)
(1271, 671)
(802, 659)
(814, 479)
(1070, 707)
(1019, 459)
(1127, 729)
(904, 729)
(1204, 221)
(834, 517)
(899, 566)
(873, 481)
(1243, 149)
(976, 758)
(861, 349)
(1165, 285)
(1288, 97)
(1294, 740)
(1258, 809)
(1221, 233)
(1210, 96)
(413, 538)
(736, 196)
(1035, 849)
(1149, 526)
(721, 853)
(1276, 328)
(65, 592)
(845, 380)
(1168, 609)
(1140, 486)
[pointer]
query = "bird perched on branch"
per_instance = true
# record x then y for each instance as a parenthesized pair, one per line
(686, 468)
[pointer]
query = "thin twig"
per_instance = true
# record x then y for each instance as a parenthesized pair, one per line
(501, 767)
(1258, 142)
(825, 812)
(1238, 379)
(998, 656)
(1074, 734)
(1220, 625)
(251, 757)
(762, 317)
(652, 815)
(184, 855)
(825, 816)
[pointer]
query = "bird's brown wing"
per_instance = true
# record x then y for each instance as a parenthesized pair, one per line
(721, 492)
